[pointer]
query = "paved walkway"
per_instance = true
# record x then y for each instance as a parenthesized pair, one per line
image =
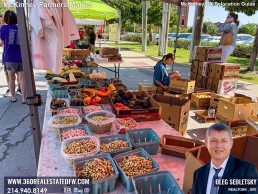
(16, 142)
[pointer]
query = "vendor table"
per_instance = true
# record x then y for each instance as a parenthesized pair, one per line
(52, 164)
(115, 60)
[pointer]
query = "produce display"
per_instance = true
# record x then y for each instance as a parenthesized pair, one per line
(69, 111)
(124, 124)
(96, 169)
(80, 147)
(114, 145)
(91, 108)
(66, 120)
(127, 100)
(83, 98)
(72, 133)
(100, 118)
(135, 165)
(100, 121)
(57, 103)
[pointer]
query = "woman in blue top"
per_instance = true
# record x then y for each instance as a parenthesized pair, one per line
(230, 25)
(12, 53)
(161, 77)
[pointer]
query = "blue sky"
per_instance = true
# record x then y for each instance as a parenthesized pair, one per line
(218, 14)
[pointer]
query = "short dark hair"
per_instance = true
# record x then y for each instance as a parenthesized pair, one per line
(10, 17)
(219, 127)
(235, 17)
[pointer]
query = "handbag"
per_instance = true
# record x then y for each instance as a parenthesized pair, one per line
(227, 38)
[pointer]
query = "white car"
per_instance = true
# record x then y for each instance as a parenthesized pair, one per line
(216, 39)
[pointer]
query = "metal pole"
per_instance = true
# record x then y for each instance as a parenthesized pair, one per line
(119, 26)
(177, 29)
(167, 28)
(144, 25)
(29, 77)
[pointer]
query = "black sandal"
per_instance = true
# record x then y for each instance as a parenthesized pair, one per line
(13, 100)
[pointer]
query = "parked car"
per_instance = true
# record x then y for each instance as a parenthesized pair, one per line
(242, 38)
(172, 36)
(216, 39)
(203, 36)
(184, 35)
(249, 42)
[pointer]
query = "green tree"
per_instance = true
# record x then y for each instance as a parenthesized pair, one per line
(3, 8)
(209, 28)
(248, 29)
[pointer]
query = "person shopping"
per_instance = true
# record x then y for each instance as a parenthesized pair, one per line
(12, 53)
(229, 29)
(92, 39)
(161, 78)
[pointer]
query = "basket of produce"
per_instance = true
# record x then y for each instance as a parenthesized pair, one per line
(84, 98)
(55, 104)
(162, 182)
(75, 131)
(134, 163)
(115, 144)
(59, 91)
(69, 110)
(60, 121)
(124, 124)
(79, 147)
(100, 121)
(147, 139)
(91, 166)
(92, 108)
(116, 81)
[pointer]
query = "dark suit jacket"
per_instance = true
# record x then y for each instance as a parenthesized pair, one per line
(235, 168)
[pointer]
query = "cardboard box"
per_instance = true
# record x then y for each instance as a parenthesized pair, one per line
(215, 99)
(237, 108)
(211, 70)
(109, 52)
(184, 86)
(138, 115)
(194, 66)
(145, 87)
(174, 111)
(193, 76)
(252, 124)
(203, 68)
(251, 130)
(215, 85)
(203, 53)
(176, 95)
(221, 119)
(227, 87)
(197, 157)
(209, 83)
(223, 70)
(201, 100)
(177, 146)
(239, 131)
(79, 54)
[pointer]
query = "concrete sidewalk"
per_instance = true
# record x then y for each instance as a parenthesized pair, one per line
(16, 142)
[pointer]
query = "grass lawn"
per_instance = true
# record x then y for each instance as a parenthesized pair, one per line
(182, 57)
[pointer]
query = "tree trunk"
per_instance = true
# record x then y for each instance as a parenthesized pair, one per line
(252, 63)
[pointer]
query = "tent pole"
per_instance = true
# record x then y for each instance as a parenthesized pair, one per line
(32, 97)
(177, 29)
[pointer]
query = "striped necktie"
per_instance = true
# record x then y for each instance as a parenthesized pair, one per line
(214, 188)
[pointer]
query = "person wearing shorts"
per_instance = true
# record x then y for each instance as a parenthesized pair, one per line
(12, 54)
(92, 39)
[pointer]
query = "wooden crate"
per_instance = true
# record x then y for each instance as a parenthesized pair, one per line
(203, 116)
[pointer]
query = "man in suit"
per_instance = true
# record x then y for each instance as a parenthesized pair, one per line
(219, 143)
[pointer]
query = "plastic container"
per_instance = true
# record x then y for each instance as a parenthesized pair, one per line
(86, 70)
(84, 81)
(69, 158)
(110, 138)
(102, 185)
(75, 107)
(59, 91)
(59, 117)
(127, 181)
(162, 182)
(122, 129)
(147, 139)
(82, 127)
(101, 105)
(98, 126)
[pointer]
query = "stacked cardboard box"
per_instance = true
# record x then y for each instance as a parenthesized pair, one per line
(234, 112)
(200, 65)
(174, 111)
(201, 100)
(181, 86)
(145, 87)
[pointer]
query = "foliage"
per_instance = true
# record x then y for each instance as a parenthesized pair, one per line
(209, 28)
(3, 8)
(132, 38)
(248, 29)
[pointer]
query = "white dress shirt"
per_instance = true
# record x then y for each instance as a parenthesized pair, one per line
(212, 173)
